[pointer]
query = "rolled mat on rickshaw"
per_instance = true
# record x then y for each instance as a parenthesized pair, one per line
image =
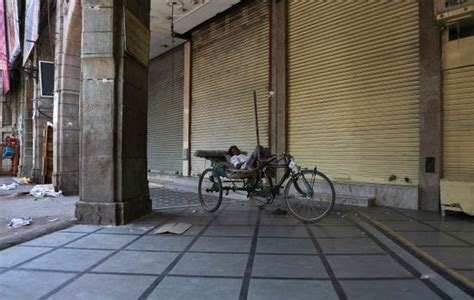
(214, 154)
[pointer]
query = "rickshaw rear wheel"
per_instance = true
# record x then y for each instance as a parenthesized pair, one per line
(210, 190)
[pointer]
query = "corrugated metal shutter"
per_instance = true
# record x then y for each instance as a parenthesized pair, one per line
(458, 110)
(353, 88)
(165, 112)
(230, 59)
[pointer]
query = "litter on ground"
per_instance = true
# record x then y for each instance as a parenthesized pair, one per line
(20, 222)
(7, 187)
(25, 180)
(44, 190)
(175, 228)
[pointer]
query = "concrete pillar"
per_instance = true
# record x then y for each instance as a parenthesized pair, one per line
(113, 166)
(25, 133)
(66, 99)
(430, 108)
(187, 109)
(279, 76)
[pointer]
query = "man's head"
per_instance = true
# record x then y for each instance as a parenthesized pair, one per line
(234, 150)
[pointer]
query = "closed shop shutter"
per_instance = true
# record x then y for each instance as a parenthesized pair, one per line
(458, 110)
(230, 59)
(165, 112)
(353, 88)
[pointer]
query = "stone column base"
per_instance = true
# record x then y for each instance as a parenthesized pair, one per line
(117, 213)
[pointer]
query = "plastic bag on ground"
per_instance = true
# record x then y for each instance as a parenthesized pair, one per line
(44, 190)
(19, 222)
(7, 187)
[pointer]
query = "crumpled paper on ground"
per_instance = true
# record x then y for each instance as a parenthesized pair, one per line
(8, 187)
(44, 190)
(18, 222)
(24, 180)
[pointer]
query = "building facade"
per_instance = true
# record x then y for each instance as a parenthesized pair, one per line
(375, 94)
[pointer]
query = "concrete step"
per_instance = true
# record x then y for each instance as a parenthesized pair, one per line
(355, 200)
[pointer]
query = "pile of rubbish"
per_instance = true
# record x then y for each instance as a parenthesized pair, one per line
(38, 191)
(44, 190)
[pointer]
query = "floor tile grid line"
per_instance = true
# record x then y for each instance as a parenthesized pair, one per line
(71, 229)
(228, 236)
(377, 278)
(123, 273)
(46, 271)
(356, 254)
(444, 246)
(34, 246)
(437, 229)
(417, 275)
(244, 289)
(317, 254)
(335, 282)
(341, 279)
(160, 278)
(413, 230)
(266, 225)
(218, 252)
(152, 251)
(319, 237)
(205, 276)
(291, 278)
(115, 251)
(47, 252)
(115, 233)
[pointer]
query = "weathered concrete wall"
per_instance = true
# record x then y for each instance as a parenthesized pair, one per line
(66, 102)
(113, 177)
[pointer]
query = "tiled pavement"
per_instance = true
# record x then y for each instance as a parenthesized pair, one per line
(238, 253)
(449, 240)
(167, 198)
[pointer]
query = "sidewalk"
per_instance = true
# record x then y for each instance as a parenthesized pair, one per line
(239, 252)
(48, 214)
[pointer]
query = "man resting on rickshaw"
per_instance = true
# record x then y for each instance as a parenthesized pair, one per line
(238, 160)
